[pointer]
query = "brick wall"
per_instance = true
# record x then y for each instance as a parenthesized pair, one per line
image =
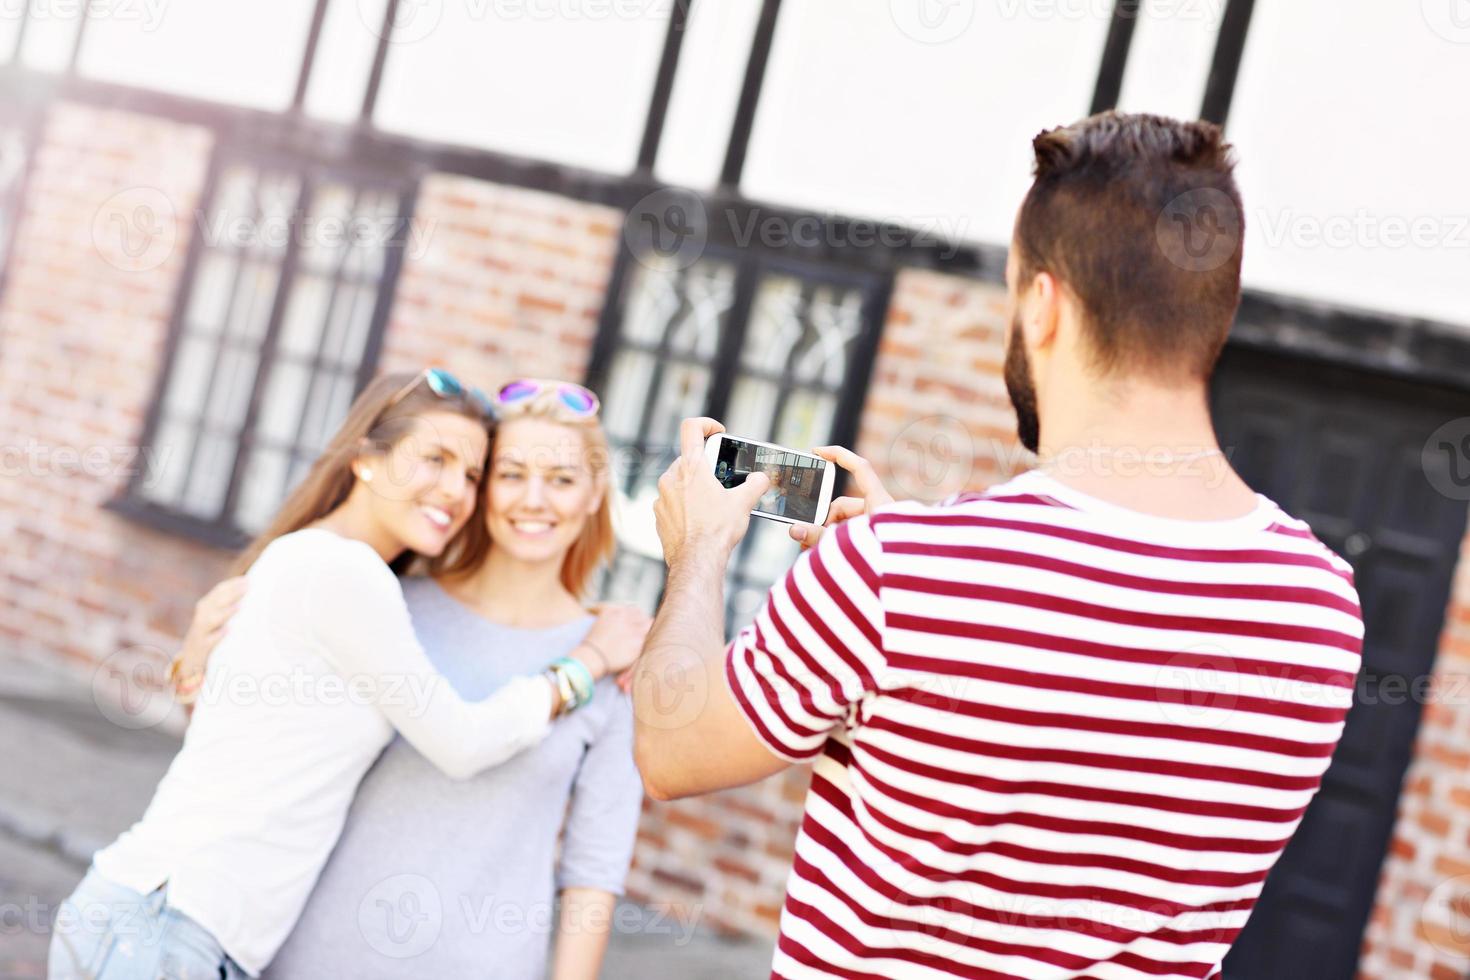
(96, 260)
(937, 418)
(508, 282)
(1420, 925)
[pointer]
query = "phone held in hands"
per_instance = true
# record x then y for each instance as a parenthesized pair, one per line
(801, 483)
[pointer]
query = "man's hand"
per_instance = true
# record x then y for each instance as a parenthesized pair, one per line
(690, 736)
(693, 509)
(864, 479)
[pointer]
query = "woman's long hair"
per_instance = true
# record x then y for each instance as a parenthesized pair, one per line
(597, 542)
(372, 425)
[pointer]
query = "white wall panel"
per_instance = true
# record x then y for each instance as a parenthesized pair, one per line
(1354, 133)
(917, 111)
(243, 51)
(561, 80)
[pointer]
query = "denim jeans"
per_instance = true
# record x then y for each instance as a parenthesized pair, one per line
(105, 931)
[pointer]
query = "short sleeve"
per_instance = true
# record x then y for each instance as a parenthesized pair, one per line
(816, 647)
(607, 798)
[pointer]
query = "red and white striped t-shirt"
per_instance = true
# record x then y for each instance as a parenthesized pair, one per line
(1052, 737)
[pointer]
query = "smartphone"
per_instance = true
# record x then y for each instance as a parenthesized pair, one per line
(801, 483)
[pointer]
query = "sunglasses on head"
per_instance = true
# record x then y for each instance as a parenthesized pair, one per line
(579, 401)
(446, 386)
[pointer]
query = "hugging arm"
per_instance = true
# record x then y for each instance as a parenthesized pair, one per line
(356, 613)
(354, 610)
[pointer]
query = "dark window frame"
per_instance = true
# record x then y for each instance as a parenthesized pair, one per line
(869, 270)
(223, 532)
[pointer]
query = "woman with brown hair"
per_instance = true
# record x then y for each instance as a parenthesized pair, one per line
(319, 668)
(512, 874)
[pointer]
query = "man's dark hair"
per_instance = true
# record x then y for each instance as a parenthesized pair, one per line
(1139, 217)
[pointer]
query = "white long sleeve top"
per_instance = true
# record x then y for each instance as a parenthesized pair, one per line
(319, 667)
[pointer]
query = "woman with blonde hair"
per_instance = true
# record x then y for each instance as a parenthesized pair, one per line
(514, 872)
(319, 668)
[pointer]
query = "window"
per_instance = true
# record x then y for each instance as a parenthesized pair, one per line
(288, 287)
(778, 349)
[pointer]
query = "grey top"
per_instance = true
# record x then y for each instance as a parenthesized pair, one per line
(434, 877)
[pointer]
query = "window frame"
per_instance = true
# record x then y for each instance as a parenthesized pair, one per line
(224, 532)
(869, 270)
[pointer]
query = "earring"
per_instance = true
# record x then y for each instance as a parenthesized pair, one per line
(367, 476)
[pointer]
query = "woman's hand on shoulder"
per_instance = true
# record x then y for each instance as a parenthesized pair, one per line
(211, 619)
(616, 638)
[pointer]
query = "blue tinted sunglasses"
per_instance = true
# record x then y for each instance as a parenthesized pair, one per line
(447, 386)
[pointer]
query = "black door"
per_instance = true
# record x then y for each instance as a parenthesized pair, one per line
(1342, 450)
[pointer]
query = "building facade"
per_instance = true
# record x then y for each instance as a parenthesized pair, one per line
(791, 216)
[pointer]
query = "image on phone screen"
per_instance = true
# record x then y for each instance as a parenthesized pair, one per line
(796, 479)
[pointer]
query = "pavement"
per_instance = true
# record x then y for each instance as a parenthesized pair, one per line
(76, 772)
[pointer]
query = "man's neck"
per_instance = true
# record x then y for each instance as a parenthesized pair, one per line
(1145, 447)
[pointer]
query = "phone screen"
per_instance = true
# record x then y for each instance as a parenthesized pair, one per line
(796, 478)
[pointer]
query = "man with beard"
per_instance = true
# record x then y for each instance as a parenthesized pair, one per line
(1066, 726)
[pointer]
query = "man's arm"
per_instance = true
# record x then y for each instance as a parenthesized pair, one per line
(707, 719)
(689, 735)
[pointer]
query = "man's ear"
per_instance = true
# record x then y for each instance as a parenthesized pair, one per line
(1045, 313)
